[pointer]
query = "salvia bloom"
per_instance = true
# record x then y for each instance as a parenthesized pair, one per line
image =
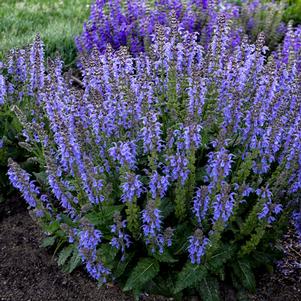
(98, 271)
(269, 211)
(158, 185)
(88, 240)
(120, 240)
(201, 203)
(132, 187)
(151, 134)
(2, 89)
(151, 219)
(20, 179)
(223, 203)
(197, 246)
(125, 153)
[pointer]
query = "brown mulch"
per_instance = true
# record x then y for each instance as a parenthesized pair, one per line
(30, 273)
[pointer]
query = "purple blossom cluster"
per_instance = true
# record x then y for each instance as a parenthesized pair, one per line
(20, 179)
(269, 209)
(132, 23)
(31, 193)
(201, 203)
(88, 239)
(197, 246)
(22, 73)
(120, 240)
(152, 224)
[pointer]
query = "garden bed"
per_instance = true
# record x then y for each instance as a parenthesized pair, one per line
(28, 272)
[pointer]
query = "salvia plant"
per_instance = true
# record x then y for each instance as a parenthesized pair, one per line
(171, 170)
(132, 23)
(19, 86)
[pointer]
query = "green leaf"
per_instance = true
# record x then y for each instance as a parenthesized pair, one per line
(209, 289)
(243, 272)
(166, 207)
(52, 227)
(73, 263)
(121, 265)
(220, 257)
(41, 177)
(164, 257)
(64, 254)
(103, 217)
(180, 242)
(190, 276)
(162, 285)
(145, 270)
(107, 254)
(48, 241)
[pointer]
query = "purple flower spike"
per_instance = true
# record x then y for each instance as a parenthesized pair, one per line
(197, 246)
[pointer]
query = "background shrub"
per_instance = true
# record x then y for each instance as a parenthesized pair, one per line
(293, 11)
(132, 23)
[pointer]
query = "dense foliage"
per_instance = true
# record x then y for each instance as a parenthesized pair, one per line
(168, 170)
(293, 11)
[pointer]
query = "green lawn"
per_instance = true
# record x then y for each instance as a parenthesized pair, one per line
(57, 21)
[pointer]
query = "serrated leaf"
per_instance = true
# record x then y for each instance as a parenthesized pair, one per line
(190, 275)
(107, 254)
(209, 289)
(48, 241)
(52, 227)
(64, 254)
(41, 177)
(164, 257)
(145, 270)
(244, 273)
(73, 263)
(217, 260)
(163, 286)
(180, 241)
(104, 216)
(166, 207)
(121, 265)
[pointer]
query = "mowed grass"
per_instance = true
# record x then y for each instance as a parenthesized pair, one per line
(57, 21)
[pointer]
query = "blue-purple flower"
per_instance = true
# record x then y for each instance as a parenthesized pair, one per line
(197, 246)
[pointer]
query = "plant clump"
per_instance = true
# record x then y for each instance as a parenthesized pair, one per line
(171, 170)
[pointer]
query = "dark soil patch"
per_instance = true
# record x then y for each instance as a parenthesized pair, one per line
(285, 283)
(28, 272)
